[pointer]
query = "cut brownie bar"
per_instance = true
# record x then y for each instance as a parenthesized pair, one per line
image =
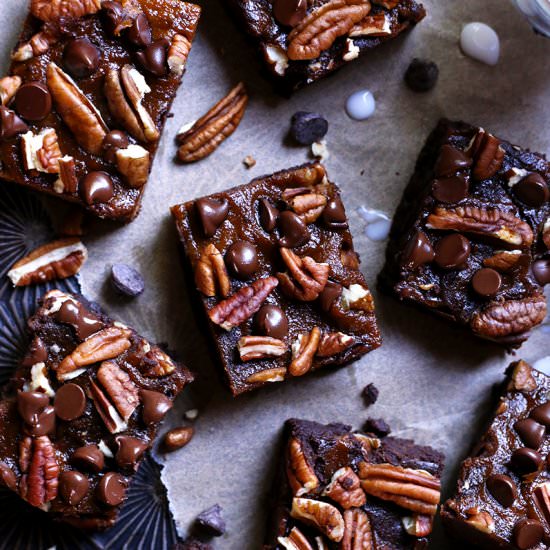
(503, 495)
(470, 240)
(81, 411)
(278, 277)
(342, 489)
(302, 42)
(89, 89)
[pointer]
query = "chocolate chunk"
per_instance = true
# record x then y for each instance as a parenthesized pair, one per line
(112, 142)
(113, 17)
(370, 394)
(211, 521)
(271, 321)
(127, 280)
(37, 353)
(241, 259)
(111, 490)
(153, 58)
(30, 404)
(334, 215)
(73, 487)
(212, 213)
(421, 75)
(96, 187)
(306, 128)
(450, 161)
(528, 533)
(44, 425)
(541, 271)
(7, 477)
(83, 321)
(139, 33)
(130, 450)
(503, 489)
(33, 101)
(269, 215)
(81, 58)
(329, 295)
(155, 406)
(532, 190)
(530, 432)
(89, 458)
(451, 189)
(486, 282)
(293, 229)
(10, 124)
(377, 426)
(418, 251)
(541, 414)
(70, 402)
(452, 251)
(526, 461)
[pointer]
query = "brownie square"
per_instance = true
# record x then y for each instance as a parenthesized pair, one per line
(278, 277)
(337, 488)
(470, 239)
(86, 99)
(81, 410)
(502, 499)
(287, 33)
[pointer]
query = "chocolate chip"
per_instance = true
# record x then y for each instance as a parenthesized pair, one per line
(271, 321)
(73, 487)
(307, 128)
(530, 432)
(83, 321)
(241, 259)
(139, 33)
(130, 451)
(329, 295)
(532, 190)
(89, 458)
(111, 489)
(486, 282)
(377, 426)
(30, 404)
(112, 142)
(452, 251)
(153, 58)
(334, 215)
(503, 489)
(526, 461)
(450, 161)
(127, 280)
(541, 271)
(293, 230)
(33, 101)
(211, 521)
(96, 187)
(528, 533)
(418, 251)
(421, 75)
(155, 406)
(113, 16)
(37, 353)
(81, 58)
(70, 402)
(541, 414)
(370, 394)
(44, 425)
(268, 214)
(7, 477)
(452, 189)
(10, 124)
(212, 213)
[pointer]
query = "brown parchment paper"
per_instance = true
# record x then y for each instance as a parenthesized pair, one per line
(434, 380)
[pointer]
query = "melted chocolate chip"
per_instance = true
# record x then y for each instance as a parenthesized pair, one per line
(450, 161)
(96, 187)
(293, 229)
(526, 461)
(7, 477)
(530, 432)
(329, 295)
(112, 142)
(532, 190)
(81, 58)
(113, 16)
(10, 124)
(452, 251)
(334, 215)
(212, 213)
(452, 189)
(33, 101)
(139, 33)
(418, 251)
(153, 58)
(130, 450)
(503, 489)
(528, 533)
(30, 404)
(486, 282)
(74, 314)
(111, 489)
(155, 406)
(37, 353)
(241, 259)
(269, 215)
(289, 12)
(73, 487)
(541, 271)
(271, 321)
(541, 414)
(421, 75)
(44, 425)
(70, 402)
(89, 458)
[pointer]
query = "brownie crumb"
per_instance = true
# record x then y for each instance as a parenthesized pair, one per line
(370, 394)
(211, 521)
(377, 426)
(422, 75)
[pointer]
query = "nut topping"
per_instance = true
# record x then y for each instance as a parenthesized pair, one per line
(345, 489)
(38, 44)
(53, 10)
(372, 25)
(68, 181)
(309, 206)
(482, 521)
(122, 391)
(110, 416)
(295, 541)
(488, 155)
(276, 374)
(333, 343)
(357, 297)
(541, 498)
(522, 378)
(418, 525)
(41, 151)
(300, 473)
(260, 347)
(158, 363)
(303, 351)
(134, 163)
(177, 54)
(211, 273)
(357, 531)
(321, 515)
(504, 260)
(8, 88)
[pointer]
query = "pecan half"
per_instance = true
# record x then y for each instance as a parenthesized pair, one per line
(276, 374)
(345, 489)
(414, 490)
(209, 131)
(321, 515)
(303, 351)
(418, 525)
(53, 10)
(56, 260)
(300, 474)
(522, 378)
(38, 44)
(487, 153)
(68, 180)
(211, 273)
(157, 363)
(295, 540)
(321, 27)
(509, 317)
(8, 88)
(134, 163)
(357, 531)
(333, 343)
(260, 347)
(41, 151)
(482, 521)
(308, 206)
(177, 54)
(76, 110)
(503, 260)
(108, 413)
(373, 25)
(243, 304)
(487, 221)
(122, 391)
(307, 277)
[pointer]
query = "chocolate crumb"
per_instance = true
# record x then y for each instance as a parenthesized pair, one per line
(370, 394)
(211, 521)
(377, 426)
(127, 280)
(249, 161)
(422, 75)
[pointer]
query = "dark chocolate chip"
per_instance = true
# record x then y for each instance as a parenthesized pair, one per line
(452, 251)
(532, 190)
(44, 425)
(113, 17)
(377, 426)
(526, 461)
(541, 271)
(7, 477)
(73, 487)
(329, 295)
(212, 213)
(241, 259)
(127, 280)
(130, 451)
(503, 489)
(89, 458)
(37, 353)
(139, 33)
(271, 321)
(33, 101)
(307, 128)
(530, 432)
(111, 489)
(269, 215)
(70, 402)
(451, 189)
(30, 404)
(211, 521)
(418, 251)
(421, 75)
(155, 406)
(293, 229)
(112, 142)
(528, 533)
(84, 322)
(81, 58)
(370, 394)
(153, 58)
(10, 124)
(450, 161)
(541, 414)
(486, 282)
(96, 187)
(334, 215)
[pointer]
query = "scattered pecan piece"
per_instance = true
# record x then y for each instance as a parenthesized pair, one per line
(503, 260)
(487, 153)
(300, 473)
(276, 374)
(8, 88)
(303, 351)
(333, 343)
(295, 540)
(177, 438)
(357, 531)
(414, 490)
(490, 222)
(134, 163)
(482, 521)
(378, 24)
(307, 277)
(56, 260)
(243, 304)
(158, 363)
(53, 10)
(211, 273)
(209, 131)
(321, 27)
(308, 206)
(321, 515)
(118, 384)
(522, 378)
(345, 489)
(68, 180)
(41, 151)
(418, 525)
(177, 54)
(38, 44)
(260, 347)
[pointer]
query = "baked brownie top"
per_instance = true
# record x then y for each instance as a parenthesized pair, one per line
(470, 238)
(81, 410)
(504, 487)
(91, 84)
(344, 489)
(279, 279)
